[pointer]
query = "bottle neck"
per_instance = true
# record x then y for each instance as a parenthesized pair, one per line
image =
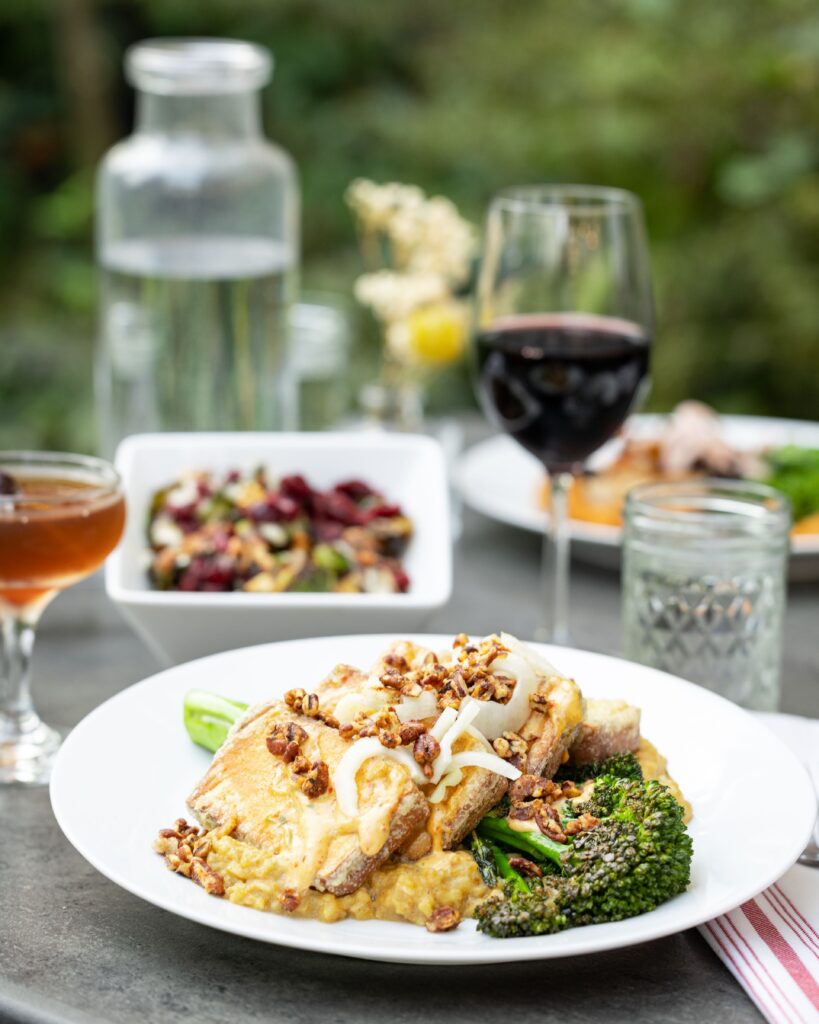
(225, 115)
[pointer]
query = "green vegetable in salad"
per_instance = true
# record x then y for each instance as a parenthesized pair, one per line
(795, 472)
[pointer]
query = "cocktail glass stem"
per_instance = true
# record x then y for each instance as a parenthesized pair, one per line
(27, 744)
(555, 628)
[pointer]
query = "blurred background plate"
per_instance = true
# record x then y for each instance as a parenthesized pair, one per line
(503, 481)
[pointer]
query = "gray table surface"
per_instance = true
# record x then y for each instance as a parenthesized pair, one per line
(76, 948)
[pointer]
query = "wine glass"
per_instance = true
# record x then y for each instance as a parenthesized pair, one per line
(60, 517)
(563, 326)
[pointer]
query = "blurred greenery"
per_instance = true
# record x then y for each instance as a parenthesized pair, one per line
(708, 111)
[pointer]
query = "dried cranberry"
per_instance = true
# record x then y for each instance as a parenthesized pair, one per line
(283, 507)
(355, 489)
(184, 516)
(8, 485)
(382, 512)
(326, 529)
(208, 574)
(204, 489)
(402, 581)
(297, 488)
(337, 506)
(233, 477)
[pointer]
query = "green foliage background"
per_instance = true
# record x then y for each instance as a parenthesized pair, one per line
(710, 111)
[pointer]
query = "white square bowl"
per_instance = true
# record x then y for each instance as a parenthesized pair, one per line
(408, 469)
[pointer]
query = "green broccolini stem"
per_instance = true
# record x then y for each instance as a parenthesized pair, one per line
(538, 846)
(505, 869)
(208, 717)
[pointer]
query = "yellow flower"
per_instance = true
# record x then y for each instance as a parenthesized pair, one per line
(437, 334)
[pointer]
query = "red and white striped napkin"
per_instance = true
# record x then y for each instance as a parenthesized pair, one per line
(771, 943)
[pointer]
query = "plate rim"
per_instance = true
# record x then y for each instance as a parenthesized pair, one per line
(602, 534)
(600, 937)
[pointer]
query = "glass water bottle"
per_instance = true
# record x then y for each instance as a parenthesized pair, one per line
(197, 249)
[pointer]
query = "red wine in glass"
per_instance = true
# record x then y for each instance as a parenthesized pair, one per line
(561, 384)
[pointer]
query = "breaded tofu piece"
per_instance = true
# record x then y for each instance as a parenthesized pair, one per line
(552, 730)
(609, 727)
(312, 841)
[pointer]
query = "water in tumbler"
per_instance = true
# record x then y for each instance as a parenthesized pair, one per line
(194, 336)
(721, 629)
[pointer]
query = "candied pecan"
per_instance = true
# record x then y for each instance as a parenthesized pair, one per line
(517, 744)
(276, 743)
(392, 679)
(397, 661)
(202, 848)
(457, 684)
(484, 690)
(581, 824)
(425, 749)
(289, 900)
(294, 698)
(168, 833)
(346, 731)
(461, 640)
(294, 733)
(569, 790)
(518, 761)
(184, 829)
(547, 825)
(181, 867)
(503, 688)
(389, 738)
(291, 752)
(434, 679)
(184, 852)
(545, 810)
(525, 866)
(443, 919)
(317, 780)
(386, 719)
(527, 787)
(369, 728)
(329, 720)
(539, 701)
(410, 731)
(310, 705)
(522, 812)
(166, 844)
(210, 880)
(501, 746)
(301, 765)
(412, 689)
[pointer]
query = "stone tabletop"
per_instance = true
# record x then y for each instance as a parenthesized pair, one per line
(76, 948)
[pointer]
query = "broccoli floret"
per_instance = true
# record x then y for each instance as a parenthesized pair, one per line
(637, 857)
(623, 766)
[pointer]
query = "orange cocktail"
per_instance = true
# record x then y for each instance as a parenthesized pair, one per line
(60, 517)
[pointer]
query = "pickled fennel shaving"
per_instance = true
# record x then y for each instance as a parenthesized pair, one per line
(446, 767)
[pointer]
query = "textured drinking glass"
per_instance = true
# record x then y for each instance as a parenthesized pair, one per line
(60, 517)
(704, 568)
(563, 328)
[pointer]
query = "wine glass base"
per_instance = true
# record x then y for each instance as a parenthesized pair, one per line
(28, 759)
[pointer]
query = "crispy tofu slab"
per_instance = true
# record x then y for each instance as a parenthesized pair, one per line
(609, 727)
(551, 732)
(315, 844)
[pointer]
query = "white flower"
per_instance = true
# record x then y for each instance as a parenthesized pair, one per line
(393, 296)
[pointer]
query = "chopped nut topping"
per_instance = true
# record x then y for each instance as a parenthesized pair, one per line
(289, 900)
(389, 739)
(525, 866)
(528, 787)
(210, 880)
(317, 780)
(329, 720)
(410, 731)
(310, 705)
(347, 731)
(301, 765)
(425, 749)
(294, 699)
(501, 747)
(539, 701)
(547, 825)
(443, 919)
(581, 824)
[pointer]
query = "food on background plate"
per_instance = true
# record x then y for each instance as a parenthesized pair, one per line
(438, 785)
(691, 445)
(260, 535)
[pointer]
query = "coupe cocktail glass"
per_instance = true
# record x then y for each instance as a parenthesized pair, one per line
(60, 517)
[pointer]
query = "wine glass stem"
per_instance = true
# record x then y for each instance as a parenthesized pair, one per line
(17, 714)
(556, 562)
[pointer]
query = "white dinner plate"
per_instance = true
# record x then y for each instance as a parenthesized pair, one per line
(124, 772)
(500, 479)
